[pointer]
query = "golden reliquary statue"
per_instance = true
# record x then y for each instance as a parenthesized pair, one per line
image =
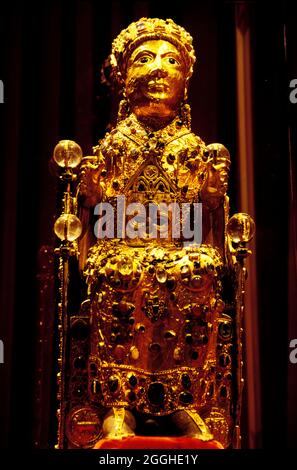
(155, 347)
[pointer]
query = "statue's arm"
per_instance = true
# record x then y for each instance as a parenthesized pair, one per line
(90, 189)
(215, 184)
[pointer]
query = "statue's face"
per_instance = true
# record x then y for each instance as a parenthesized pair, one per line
(155, 80)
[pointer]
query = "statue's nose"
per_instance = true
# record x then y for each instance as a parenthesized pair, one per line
(158, 71)
(157, 68)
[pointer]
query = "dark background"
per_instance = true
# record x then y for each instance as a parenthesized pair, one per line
(50, 59)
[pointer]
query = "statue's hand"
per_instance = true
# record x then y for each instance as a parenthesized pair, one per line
(90, 190)
(215, 184)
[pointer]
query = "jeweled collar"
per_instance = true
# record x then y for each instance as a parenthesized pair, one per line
(138, 133)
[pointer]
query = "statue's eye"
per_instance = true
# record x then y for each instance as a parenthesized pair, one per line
(144, 59)
(171, 60)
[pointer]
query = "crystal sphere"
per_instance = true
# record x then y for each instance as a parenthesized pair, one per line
(67, 154)
(241, 228)
(125, 265)
(219, 150)
(68, 227)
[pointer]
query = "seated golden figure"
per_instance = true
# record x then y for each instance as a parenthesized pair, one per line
(158, 335)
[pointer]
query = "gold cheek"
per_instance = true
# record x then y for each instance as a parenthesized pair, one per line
(138, 70)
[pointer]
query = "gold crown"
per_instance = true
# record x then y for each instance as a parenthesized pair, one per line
(147, 29)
